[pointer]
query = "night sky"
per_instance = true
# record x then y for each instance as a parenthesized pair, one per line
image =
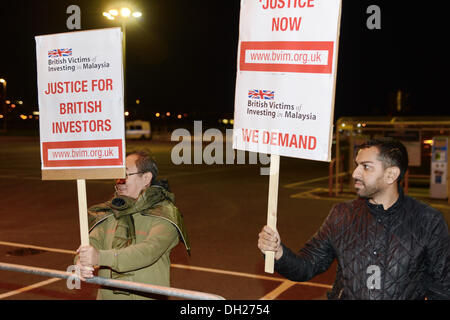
(170, 65)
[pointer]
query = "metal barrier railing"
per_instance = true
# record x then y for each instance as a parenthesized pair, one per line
(120, 284)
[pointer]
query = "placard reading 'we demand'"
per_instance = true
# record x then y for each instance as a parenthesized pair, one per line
(286, 77)
(81, 107)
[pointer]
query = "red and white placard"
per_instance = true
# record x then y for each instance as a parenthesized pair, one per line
(81, 105)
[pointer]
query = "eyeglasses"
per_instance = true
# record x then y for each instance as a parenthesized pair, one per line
(130, 174)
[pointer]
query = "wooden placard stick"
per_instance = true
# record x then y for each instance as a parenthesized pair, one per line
(82, 210)
(272, 207)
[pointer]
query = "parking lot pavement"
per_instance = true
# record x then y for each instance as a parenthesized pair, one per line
(224, 208)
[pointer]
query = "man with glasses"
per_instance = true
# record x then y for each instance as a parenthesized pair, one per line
(131, 235)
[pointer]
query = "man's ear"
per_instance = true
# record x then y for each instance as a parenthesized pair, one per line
(148, 178)
(392, 174)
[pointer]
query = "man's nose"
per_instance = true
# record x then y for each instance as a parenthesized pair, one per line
(356, 173)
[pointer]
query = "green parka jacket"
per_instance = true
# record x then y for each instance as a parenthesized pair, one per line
(158, 227)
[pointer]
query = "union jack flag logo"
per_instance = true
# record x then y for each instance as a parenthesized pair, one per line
(261, 94)
(56, 53)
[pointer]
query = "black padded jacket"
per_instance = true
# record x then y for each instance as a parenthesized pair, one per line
(407, 247)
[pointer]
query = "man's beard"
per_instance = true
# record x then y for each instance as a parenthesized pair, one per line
(366, 192)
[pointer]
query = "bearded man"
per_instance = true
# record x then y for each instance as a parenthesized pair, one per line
(387, 244)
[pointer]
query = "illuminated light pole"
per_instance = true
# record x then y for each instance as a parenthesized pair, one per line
(3, 101)
(122, 15)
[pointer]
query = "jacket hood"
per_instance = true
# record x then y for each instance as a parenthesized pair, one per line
(148, 203)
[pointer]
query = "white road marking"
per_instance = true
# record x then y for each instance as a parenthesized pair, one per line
(249, 275)
(28, 288)
(13, 244)
(182, 266)
(278, 290)
(296, 184)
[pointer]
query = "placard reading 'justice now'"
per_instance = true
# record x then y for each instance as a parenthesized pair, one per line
(286, 77)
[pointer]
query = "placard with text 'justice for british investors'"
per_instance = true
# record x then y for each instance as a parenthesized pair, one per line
(81, 107)
(287, 59)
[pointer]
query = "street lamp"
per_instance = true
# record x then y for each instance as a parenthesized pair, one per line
(3, 82)
(122, 15)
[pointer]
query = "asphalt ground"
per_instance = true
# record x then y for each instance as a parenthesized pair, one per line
(224, 208)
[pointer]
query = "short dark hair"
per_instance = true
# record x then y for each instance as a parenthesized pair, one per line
(145, 163)
(392, 153)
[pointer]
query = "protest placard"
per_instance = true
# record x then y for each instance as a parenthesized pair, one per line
(285, 84)
(81, 109)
